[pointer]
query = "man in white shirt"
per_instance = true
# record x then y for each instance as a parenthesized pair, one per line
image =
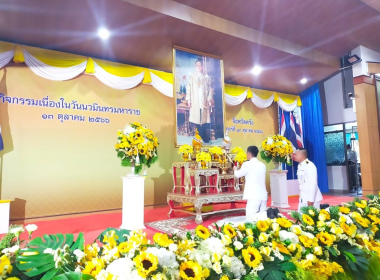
(255, 191)
(310, 195)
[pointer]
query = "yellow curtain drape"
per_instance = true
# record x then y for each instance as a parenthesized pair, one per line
(18, 56)
(5, 46)
(234, 90)
(55, 58)
(167, 77)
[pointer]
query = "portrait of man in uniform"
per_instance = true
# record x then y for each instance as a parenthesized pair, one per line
(198, 86)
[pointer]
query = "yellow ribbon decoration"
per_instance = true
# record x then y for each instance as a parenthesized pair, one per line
(90, 67)
(18, 57)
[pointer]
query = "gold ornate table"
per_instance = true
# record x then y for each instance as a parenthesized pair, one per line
(207, 172)
(200, 200)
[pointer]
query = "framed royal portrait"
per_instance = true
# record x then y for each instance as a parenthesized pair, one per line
(199, 97)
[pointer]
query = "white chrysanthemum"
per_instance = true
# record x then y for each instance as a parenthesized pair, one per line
(270, 141)
(288, 235)
(213, 245)
(173, 247)
(30, 228)
(237, 267)
(165, 258)
(226, 261)
(79, 254)
(308, 234)
(217, 268)
(121, 268)
(128, 130)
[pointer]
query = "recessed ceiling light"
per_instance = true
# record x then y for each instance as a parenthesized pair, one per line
(304, 81)
(103, 33)
(257, 70)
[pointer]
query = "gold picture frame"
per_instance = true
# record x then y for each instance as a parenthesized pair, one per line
(189, 95)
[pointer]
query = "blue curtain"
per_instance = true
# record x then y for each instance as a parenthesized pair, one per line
(292, 170)
(313, 133)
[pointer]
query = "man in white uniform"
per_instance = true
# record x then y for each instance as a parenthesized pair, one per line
(310, 195)
(255, 191)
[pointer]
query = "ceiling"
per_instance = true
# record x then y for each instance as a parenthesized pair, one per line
(290, 41)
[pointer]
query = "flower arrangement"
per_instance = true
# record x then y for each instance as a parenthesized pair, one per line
(276, 148)
(237, 150)
(136, 146)
(241, 157)
(216, 151)
(203, 158)
(341, 242)
(185, 151)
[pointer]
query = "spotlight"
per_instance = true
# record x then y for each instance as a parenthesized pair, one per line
(304, 81)
(257, 70)
(103, 33)
(353, 59)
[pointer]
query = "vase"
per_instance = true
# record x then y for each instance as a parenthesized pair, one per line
(277, 166)
(203, 165)
(132, 173)
(216, 157)
(185, 157)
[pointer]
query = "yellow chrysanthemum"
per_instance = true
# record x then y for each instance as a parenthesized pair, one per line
(94, 266)
(229, 231)
(307, 220)
(362, 204)
(262, 226)
(125, 247)
(191, 271)
(344, 210)
(230, 252)
(374, 210)
(202, 232)
(205, 273)
(250, 240)
(375, 219)
(162, 239)
(307, 242)
(117, 146)
(252, 257)
(326, 238)
(364, 222)
(224, 277)
(146, 264)
(13, 278)
(325, 215)
(280, 247)
(349, 230)
(241, 227)
(283, 222)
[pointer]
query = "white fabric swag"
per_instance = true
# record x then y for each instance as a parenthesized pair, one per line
(6, 57)
(53, 73)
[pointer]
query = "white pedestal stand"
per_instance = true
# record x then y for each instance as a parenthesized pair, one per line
(279, 188)
(4, 216)
(133, 202)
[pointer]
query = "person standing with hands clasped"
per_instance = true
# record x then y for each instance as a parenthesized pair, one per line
(255, 191)
(310, 195)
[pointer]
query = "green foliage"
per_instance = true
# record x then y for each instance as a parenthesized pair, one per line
(42, 263)
(276, 270)
(295, 215)
(250, 277)
(373, 267)
(73, 276)
(268, 159)
(299, 274)
(334, 212)
(8, 240)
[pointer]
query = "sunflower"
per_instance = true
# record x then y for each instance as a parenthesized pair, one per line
(142, 151)
(325, 214)
(202, 232)
(241, 227)
(162, 239)
(307, 220)
(136, 124)
(146, 264)
(252, 257)
(326, 238)
(94, 266)
(375, 219)
(280, 247)
(5, 264)
(285, 223)
(229, 230)
(344, 210)
(262, 226)
(191, 270)
(363, 222)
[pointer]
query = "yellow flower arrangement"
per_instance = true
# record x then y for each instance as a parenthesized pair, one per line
(262, 226)
(276, 148)
(136, 146)
(237, 150)
(216, 150)
(362, 204)
(344, 210)
(280, 247)
(202, 232)
(162, 239)
(185, 149)
(241, 157)
(326, 238)
(203, 156)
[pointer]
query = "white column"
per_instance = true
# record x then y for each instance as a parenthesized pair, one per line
(4, 216)
(133, 202)
(279, 188)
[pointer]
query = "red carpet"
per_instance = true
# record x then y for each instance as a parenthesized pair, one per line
(93, 224)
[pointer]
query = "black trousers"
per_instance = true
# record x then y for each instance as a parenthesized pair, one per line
(202, 129)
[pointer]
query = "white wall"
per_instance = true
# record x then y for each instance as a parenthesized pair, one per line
(367, 55)
(337, 177)
(335, 112)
